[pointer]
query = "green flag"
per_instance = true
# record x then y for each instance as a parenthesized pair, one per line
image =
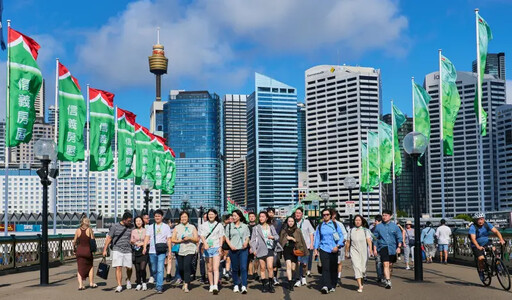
(125, 143)
(72, 118)
(373, 158)
(144, 157)
(25, 80)
(365, 185)
(385, 152)
(101, 117)
(159, 162)
(484, 35)
(398, 120)
(170, 173)
(421, 114)
(450, 103)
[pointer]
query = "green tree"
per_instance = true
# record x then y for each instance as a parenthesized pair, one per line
(401, 214)
(464, 217)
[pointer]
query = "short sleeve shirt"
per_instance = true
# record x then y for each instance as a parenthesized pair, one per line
(186, 231)
(162, 233)
(121, 243)
(483, 234)
(217, 232)
(307, 230)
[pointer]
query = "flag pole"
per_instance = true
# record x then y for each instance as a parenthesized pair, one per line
(393, 151)
(7, 116)
(115, 164)
(378, 155)
(413, 113)
(368, 173)
(441, 137)
(360, 202)
(88, 164)
(479, 129)
(55, 139)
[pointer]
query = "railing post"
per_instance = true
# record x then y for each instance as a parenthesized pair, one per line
(13, 236)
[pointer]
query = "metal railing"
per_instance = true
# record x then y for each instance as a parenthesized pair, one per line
(22, 251)
(461, 246)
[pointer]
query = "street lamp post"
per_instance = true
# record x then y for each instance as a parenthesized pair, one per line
(147, 186)
(44, 150)
(415, 144)
(325, 198)
(349, 183)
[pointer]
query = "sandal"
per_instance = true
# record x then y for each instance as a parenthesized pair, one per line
(93, 286)
(81, 288)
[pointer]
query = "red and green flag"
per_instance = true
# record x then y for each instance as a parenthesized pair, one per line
(24, 82)
(72, 118)
(125, 143)
(101, 117)
(144, 154)
(159, 162)
(170, 172)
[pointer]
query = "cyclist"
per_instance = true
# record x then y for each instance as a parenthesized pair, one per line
(479, 235)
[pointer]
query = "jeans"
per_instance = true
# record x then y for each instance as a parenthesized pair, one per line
(329, 268)
(409, 253)
(185, 266)
(310, 260)
(157, 265)
(239, 264)
(379, 267)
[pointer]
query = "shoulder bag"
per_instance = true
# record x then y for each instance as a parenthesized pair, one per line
(160, 248)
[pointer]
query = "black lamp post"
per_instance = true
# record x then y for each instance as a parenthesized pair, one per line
(44, 150)
(147, 186)
(415, 144)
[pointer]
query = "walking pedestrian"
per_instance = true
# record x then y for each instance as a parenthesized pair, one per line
(408, 244)
(252, 269)
(292, 241)
(185, 238)
(341, 252)
(237, 238)
(212, 236)
(328, 241)
(389, 241)
(200, 251)
(84, 257)
(443, 234)
(145, 217)
(264, 243)
(427, 240)
(378, 263)
(277, 223)
(139, 258)
(158, 237)
(308, 233)
(359, 240)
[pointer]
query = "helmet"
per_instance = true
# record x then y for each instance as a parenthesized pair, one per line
(479, 215)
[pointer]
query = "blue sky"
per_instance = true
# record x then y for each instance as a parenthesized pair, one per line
(218, 45)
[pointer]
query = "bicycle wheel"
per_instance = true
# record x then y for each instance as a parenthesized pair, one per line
(487, 274)
(502, 274)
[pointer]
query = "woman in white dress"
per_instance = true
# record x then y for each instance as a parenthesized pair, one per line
(358, 242)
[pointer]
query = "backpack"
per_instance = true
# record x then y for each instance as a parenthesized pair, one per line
(477, 232)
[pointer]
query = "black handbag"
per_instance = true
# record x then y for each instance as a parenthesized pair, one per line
(103, 269)
(160, 248)
(93, 245)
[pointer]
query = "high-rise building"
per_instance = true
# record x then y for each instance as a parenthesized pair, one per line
(25, 192)
(51, 114)
(461, 171)
(239, 181)
(192, 124)
(40, 103)
(235, 134)
(495, 65)
(343, 103)
(301, 137)
(503, 155)
(271, 143)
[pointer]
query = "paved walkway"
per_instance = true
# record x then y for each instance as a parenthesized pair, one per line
(441, 282)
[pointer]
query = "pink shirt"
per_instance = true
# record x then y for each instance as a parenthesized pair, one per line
(138, 236)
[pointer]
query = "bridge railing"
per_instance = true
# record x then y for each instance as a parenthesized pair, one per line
(461, 245)
(22, 251)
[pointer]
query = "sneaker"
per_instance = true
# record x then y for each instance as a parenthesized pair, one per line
(128, 285)
(159, 291)
(298, 283)
(308, 273)
(168, 278)
(407, 268)
(325, 290)
(332, 290)
(236, 289)
(215, 290)
(445, 262)
(388, 284)
(179, 281)
(275, 281)
(244, 290)
(139, 287)
(304, 281)
(211, 289)
(151, 280)
(119, 289)
(144, 287)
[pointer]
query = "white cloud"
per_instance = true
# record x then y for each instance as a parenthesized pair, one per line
(509, 91)
(203, 39)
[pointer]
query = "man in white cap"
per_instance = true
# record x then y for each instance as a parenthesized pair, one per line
(409, 245)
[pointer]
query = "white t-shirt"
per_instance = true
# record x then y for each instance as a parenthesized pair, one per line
(307, 229)
(443, 234)
(163, 232)
(217, 232)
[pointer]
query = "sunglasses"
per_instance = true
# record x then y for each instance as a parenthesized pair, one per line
(326, 215)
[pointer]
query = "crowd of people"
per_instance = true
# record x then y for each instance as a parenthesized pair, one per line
(237, 249)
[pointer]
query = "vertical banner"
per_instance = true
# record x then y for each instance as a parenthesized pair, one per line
(101, 129)
(373, 159)
(144, 157)
(398, 120)
(125, 143)
(385, 152)
(484, 35)
(158, 144)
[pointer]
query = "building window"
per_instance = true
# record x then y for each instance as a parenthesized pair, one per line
(508, 137)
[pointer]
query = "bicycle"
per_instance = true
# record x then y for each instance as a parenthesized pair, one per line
(494, 266)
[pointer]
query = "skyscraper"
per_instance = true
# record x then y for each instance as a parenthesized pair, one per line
(239, 181)
(503, 154)
(271, 143)
(494, 66)
(461, 171)
(343, 104)
(192, 122)
(40, 103)
(235, 134)
(301, 130)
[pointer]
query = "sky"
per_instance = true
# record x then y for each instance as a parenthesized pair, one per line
(219, 45)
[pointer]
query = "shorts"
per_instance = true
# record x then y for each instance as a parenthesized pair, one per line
(304, 259)
(211, 252)
(120, 259)
(250, 257)
(385, 256)
(442, 247)
(269, 254)
(477, 253)
(341, 255)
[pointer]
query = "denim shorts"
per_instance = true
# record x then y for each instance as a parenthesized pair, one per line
(442, 247)
(211, 252)
(304, 259)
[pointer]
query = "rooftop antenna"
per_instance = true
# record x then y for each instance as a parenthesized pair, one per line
(158, 35)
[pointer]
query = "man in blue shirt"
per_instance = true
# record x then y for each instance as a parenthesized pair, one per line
(427, 239)
(479, 235)
(328, 241)
(389, 241)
